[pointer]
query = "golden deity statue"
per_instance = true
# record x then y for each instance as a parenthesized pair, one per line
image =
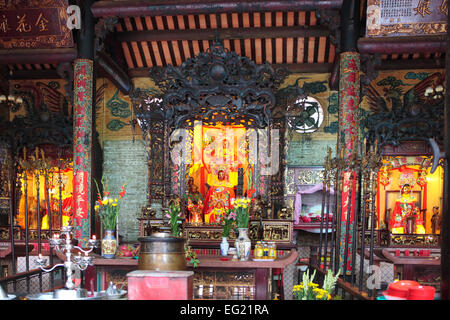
(194, 201)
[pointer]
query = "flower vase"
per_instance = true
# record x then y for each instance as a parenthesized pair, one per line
(109, 245)
(224, 246)
(243, 244)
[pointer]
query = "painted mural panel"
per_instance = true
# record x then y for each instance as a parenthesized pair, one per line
(402, 105)
(40, 96)
(306, 149)
(114, 114)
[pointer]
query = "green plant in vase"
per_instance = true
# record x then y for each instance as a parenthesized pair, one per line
(241, 210)
(309, 290)
(228, 220)
(173, 214)
(108, 210)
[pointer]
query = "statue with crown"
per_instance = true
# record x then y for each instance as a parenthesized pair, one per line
(406, 211)
(221, 191)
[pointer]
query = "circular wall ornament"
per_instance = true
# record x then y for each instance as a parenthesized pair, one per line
(305, 115)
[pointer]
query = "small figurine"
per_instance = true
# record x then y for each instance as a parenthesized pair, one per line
(435, 220)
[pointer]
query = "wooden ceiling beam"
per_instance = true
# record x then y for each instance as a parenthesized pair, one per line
(390, 45)
(133, 8)
(33, 74)
(114, 72)
(406, 64)
(39, 56)
(292, 68)
(223, 34)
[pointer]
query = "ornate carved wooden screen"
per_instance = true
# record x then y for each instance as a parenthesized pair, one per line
(155, 133)
(215, 86)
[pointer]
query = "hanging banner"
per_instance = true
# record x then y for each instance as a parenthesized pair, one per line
(82, 142)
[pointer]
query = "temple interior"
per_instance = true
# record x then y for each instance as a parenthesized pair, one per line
(243, 146)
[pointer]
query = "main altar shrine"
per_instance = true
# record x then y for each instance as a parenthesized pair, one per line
(324, 120)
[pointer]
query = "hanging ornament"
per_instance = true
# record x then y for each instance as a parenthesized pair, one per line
(422, 179)
(407, 176)
(384, 176)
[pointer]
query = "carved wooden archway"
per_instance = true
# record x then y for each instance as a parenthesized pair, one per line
(215, 86)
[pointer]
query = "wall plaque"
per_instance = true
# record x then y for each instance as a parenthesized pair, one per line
(392, 18)
(34, 24)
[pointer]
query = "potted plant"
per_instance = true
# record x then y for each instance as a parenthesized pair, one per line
(173, 214)
(108, 210)
(309, 290)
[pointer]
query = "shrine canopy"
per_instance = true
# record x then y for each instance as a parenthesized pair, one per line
(216, 87)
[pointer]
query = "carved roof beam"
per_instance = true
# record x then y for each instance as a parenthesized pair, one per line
(223, 34)
(291, 68)
(416, 44)
(131, 8)
(39, 56)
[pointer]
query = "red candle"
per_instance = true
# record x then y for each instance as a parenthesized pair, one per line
(406, 253)
(397, 253)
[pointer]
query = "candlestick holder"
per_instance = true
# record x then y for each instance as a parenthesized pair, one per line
(64, 245)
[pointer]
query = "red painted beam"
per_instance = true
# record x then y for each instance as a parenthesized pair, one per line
(131, 8)
(390, 45)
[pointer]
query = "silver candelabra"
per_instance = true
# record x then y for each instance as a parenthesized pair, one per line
(65, 246)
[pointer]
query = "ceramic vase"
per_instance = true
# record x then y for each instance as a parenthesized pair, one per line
(243, 245)
(224, 246)
(109, 245)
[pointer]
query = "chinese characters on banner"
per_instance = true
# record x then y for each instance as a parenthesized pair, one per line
(349, 85)
(82, 140)
(35, 26)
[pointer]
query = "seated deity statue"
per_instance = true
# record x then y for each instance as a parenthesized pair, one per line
(404, 208)
(218, 198)
(435, 221)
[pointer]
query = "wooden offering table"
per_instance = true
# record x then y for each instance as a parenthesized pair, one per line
(213, 277)
(418, 264)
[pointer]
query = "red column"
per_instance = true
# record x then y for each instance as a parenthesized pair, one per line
(349, 96)
(82, 142)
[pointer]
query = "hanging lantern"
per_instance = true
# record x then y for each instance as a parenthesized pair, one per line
(422, 179)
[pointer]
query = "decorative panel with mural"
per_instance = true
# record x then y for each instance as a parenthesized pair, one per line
(114, 114)
(309, 147)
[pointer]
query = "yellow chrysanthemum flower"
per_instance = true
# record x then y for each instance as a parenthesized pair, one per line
(96, 207)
